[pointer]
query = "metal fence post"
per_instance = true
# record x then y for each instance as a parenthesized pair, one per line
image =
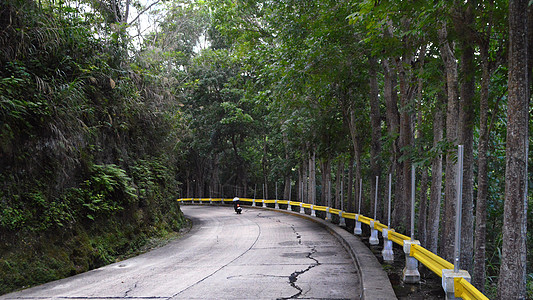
(374, 239)
(410, 272)
(387, 252)
(448, 275)
(255, 190)
(357, 229)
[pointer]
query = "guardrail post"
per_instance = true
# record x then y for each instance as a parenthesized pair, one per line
(448, 275)
(313, 213)
(357, 230)
(374, 239)
(328, 215)
(387, 252)
(289, 207)
(342, 221)
(302, 209)
(255, 189)
(276, 205)
(410, 273)
(264, 204)
(448, 279)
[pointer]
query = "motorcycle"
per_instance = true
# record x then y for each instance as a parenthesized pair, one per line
(237, 205)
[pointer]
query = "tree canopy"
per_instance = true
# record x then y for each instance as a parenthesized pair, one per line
(271, 99)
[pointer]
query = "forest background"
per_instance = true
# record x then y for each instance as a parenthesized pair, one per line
(104, 123)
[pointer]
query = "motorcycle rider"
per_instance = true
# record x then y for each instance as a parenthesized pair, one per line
(236, 203)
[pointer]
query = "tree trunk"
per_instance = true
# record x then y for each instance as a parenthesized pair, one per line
(324, 184)
(375, 121)
(338, 179)
(466, 135)
(478, 275)
(406, 140)
(312, 177)
(305, 178)
(300, 185)
(436, 180)
(393, 123)
(512, 281)
(327, 183)
(452, 118)
(287, 184)
(350, 197)
(265, 169)
(356, 142)
(422, 215)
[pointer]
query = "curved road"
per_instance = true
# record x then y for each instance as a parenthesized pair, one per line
(260, 254)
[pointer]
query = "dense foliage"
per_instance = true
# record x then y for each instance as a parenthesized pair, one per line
(86, 146)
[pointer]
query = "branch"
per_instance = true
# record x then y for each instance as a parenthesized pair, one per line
(142, 12)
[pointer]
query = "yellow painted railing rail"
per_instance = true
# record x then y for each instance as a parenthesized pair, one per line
(465, 290)
(398, 238)
(434, 262)
(462, 288)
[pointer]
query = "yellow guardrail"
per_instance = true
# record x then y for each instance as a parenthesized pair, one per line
(348, 215)
(365, 220)
(398, 238)
(379, 226)
(429, 259)
(462, 288)
(465, 290)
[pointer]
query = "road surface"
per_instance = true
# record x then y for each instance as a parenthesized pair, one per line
(260, 254)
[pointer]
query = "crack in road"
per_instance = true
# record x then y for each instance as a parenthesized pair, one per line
(294, 276)
(298, 235)
(222, 267)
(129, 290)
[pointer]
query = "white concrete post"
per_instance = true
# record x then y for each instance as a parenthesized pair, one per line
(328, 215)
(302, 209)
(357, 230)
(374, 240)
(410, 272)
(313, 213)
(264, 204)
(387, 252)
(289, 207)
(276, 206)
(255, 189)
(342, 221)
(448, 276)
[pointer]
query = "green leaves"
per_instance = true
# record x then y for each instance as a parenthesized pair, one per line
(234, 115)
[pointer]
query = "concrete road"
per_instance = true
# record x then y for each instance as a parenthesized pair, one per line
(260, 254)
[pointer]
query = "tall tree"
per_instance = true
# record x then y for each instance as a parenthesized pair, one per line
(375, 121)
(452, 116)
(463, 23)
(512, 281)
